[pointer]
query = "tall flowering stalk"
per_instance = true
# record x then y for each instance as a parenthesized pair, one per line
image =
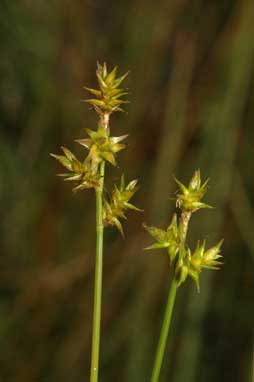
(182, 260)
(90, 173)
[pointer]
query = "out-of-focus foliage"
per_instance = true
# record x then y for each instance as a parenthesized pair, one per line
(191, 91)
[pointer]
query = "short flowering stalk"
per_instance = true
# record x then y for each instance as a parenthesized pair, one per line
(90, 173)
(184, 263)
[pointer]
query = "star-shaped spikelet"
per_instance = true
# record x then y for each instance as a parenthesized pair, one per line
(102, 146)
(108, 96)
(84, 175)
(189, 198)
(119, 203)
(169, 239)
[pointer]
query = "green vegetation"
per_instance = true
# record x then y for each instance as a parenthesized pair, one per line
(90, 173)
(183, 261)
(191, 92)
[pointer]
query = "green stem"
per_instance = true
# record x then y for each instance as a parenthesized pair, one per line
(184, 222)
(98, 279)
(164, 331)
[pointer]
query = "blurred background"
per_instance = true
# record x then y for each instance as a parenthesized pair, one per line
(192, 106)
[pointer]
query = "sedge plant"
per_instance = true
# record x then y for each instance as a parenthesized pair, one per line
(90, 173)
(183, 261)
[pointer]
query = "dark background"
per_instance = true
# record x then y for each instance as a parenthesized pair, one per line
(192, 106)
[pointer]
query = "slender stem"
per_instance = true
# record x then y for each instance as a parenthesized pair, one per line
(98, 279)
(184, 222)
(164, 331)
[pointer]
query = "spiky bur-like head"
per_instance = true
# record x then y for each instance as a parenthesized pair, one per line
(192, 263)
(101, 147)
(109, 95)
(189, 197)
(173, 239)
(168, 239)
(82, 174)
(119, 204)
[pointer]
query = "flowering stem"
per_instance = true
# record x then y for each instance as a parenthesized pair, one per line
(184, 221)
(98, 279)
(164, 331)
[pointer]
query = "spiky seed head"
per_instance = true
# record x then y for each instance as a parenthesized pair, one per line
(119, 203)
(189, 198)
(84, 175)
(109, 95)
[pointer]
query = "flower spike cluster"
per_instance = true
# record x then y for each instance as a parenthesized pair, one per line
(90, 173)
(189, 198)
(168, 239)
(102, 147)
(185, 262)
(119, 203)
(108, 96)
(84, 175)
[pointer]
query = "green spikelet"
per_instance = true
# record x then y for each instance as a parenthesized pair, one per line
(109, 95)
